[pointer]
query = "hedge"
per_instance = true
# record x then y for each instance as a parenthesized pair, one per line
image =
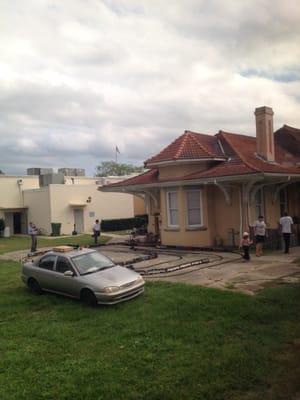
(120, 224)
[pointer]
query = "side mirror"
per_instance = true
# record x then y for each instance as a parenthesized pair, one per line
(69, 273)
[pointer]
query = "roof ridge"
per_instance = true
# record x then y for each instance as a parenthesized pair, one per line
(242, 158)
(182, 144)
(200, 144)
(164, 148)
(290, 127)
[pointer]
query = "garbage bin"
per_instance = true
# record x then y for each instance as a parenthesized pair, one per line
(55, 227)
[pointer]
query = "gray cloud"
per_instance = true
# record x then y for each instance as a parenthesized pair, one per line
(75, 81)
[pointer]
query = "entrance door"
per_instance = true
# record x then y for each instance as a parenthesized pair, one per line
(17, 219)
(78, 220)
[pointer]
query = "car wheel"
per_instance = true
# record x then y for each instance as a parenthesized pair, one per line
(88, 298)
(34, 286)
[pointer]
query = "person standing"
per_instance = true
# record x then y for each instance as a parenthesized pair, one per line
(96, 231)
(245, 244)
(260, 234)
(286, 223)
(32, 231)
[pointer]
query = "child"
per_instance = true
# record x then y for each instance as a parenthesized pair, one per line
(246, 242)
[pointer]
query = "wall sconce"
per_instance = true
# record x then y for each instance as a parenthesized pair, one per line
(89, 199)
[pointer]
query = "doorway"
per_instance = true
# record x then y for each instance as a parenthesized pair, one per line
(78, 220)
(17, 223)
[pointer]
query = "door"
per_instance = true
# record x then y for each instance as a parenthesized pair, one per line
(78, 220)
(17, 223)
(68, 285)
(45, 274)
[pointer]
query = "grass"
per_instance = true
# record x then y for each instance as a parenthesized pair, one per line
(24, 242)
(174, 342)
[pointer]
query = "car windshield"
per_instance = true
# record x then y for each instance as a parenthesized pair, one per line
(91, 262)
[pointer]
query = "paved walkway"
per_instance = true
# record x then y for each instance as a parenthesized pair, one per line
(250, 277)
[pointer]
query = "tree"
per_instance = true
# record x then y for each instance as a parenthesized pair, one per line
(111, 168)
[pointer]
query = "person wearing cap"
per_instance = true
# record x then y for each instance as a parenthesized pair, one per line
(245, 244)
(260, 234)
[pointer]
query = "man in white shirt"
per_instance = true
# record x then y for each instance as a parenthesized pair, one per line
(286, 223)
(96, 230)
(32, 231)
(260, 234)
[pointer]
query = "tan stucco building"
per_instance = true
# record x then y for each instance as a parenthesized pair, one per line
(204, 190)
(75, 201)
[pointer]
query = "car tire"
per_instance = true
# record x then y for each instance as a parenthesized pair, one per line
(88, 298)
(34, 286)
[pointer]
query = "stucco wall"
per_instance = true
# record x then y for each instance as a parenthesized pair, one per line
(272, 209)
(80, 180)
(102, 205)
(227, 216)
(173, 171)
(183, 236)
(38, 203)
(11, 191)
(139, 206)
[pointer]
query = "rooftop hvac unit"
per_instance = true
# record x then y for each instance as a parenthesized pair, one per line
(50, 179)
(39, 171)
(79, 172)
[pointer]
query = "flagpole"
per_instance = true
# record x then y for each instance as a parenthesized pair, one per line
(117, 151)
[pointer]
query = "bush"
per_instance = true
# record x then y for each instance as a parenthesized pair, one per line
(110, 225)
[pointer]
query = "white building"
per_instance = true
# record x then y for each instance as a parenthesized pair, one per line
(69, 200)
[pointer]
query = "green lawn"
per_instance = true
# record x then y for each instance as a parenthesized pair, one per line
(174, 342)
(24, 242)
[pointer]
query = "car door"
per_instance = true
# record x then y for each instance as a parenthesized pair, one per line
(68, 285)
(45, 272)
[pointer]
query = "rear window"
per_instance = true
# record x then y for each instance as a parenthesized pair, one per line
(91, 262)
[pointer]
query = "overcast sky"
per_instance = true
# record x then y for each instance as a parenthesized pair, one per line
(78, 78)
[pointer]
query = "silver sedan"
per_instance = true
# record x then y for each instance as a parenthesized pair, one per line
(84, 274)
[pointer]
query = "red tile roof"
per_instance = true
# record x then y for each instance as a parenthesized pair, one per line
(240, 156)
(288, 138)
(245, 150)
(189, 146)
(150, 176)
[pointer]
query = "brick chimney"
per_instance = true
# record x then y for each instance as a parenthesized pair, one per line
(264, 133)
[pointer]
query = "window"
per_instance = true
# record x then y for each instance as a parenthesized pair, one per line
(259, 206)
(283, 200)
(91, 262)
(63, 265)
(172, 209)
(47, 262)
(194, 208)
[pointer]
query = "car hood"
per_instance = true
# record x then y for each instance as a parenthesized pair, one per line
(115, 276)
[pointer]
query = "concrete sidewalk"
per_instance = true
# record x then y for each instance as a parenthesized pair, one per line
(248, 277)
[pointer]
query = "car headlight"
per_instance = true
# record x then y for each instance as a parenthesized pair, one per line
(110, 289)
(139, 280)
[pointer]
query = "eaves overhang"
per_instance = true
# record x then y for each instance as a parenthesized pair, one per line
(183, 161)
(201, 181)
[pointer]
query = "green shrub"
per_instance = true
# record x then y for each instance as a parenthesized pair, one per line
(110, 225)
